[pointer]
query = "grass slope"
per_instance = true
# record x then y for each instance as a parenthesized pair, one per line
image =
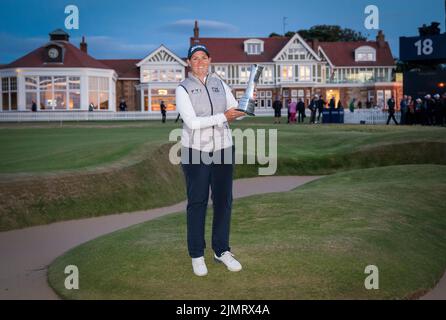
(50, 173)
(313, 242)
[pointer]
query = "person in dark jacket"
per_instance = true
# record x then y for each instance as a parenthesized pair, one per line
(33, 106)
(391, 106)
(320, 107)
(163, 111)
(332, 103)
(443, 108)
(122, 105)
(313, 108)
(438, 110)
(301, 111)
(403, 109)
(277, 106)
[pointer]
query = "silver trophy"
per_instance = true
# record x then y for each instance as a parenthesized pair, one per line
(247, 103)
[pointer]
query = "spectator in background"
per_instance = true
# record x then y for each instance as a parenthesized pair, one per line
(301, 110)
(293, 109)
(288, 110)
(320, 107)
(429, 110)
(33, 106)
(403, 109)
(410, 115)
(277, 106)
(352, 105)
(332, 103)
(313, 107)
(391, 106)
(443, 108)
(438, 110)
(163, 110)
(419, 110)
(122, 105)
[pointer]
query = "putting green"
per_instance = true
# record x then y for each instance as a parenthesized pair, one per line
(311, 243)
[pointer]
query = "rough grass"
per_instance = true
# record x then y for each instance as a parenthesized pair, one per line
(50, 172)
(150, 183)
(310, 243)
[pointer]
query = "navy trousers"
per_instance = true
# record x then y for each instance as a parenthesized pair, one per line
(200, 177)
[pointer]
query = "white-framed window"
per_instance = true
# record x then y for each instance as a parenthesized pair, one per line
(287, 73)
(74, 93)
(162, 75)
(31, 91)
(304, 73)
(286, 93)
(253, 46)
(9, 93)
(269, 94)
(365, 57)
(297, 53)
(221, 71)
(244, 74)
(98, 92)
(262, 94)
(365, 53)
(267, 74)
(53, 92)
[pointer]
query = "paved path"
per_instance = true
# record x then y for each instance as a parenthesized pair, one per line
(25, 254)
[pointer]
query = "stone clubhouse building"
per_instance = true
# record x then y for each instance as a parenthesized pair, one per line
(59, 76)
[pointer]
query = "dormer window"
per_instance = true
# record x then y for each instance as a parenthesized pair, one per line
(365, 54)
(254, 47)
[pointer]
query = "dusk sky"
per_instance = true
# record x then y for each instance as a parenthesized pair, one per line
(132, 29)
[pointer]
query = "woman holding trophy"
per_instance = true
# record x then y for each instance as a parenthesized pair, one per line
(206, 105)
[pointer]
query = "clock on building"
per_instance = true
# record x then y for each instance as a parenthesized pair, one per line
(53, 53)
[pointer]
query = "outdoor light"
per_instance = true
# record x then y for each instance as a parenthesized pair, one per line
(441, 85)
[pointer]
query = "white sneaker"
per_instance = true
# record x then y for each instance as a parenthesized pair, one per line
(199, 266)
(228, 259)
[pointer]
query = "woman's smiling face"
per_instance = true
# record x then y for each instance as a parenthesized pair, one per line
(199, 63)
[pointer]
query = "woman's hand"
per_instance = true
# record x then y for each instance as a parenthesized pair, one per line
(233, 114)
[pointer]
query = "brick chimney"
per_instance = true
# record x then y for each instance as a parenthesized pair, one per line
(315, 45)
(83, 45)
(381, 39)
(196, 32)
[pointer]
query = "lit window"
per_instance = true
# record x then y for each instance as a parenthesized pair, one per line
(304, 73)
(9, 93)
(244, 74)
(267, 74)
(287, 73)
(221, 71)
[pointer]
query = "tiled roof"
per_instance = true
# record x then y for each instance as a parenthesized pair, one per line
(73, 58)
(343, 53)
(232, 49)
(125, 68)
